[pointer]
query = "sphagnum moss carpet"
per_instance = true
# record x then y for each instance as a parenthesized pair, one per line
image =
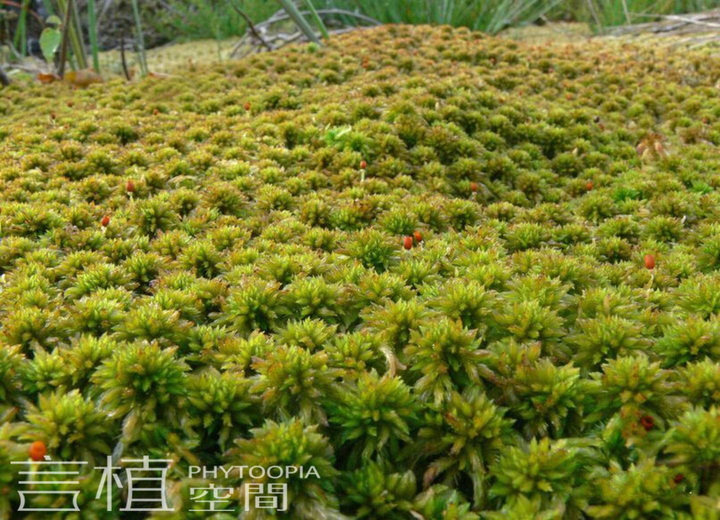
(446, 276)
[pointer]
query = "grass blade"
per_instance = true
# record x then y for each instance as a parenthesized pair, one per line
(298, 18)
(21, 31)
(318, 21)
(74, 36)
(92, 30)
(78, 40)
(140, 38)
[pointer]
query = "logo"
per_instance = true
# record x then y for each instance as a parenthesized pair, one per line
(143, 485)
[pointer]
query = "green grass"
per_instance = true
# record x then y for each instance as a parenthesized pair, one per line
(609, 13)
(21, 29)
(77, 45)
(140, 38)
(195, 19)
(202, 20)
(93, 35)
(481, 15)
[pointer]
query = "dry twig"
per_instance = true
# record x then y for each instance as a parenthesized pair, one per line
(251, 25)
(4, 78)
(123, 60)
(260, 35)
(65, 38)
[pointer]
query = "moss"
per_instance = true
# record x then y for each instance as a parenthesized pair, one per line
(422, 251)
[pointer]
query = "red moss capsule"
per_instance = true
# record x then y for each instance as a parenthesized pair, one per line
(247, 106)
(130, 186)
(678, 478)
(589, 186)
(363, 165)
(649, 261)
(473, 187)
(37, 451)
(105, 221)
(417, 236)
(408, 243)
(647, 422)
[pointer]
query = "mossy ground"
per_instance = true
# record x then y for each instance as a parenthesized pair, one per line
(177, 58)
(461, 276)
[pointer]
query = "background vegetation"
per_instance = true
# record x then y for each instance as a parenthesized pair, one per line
(182, 20)
(199, 19)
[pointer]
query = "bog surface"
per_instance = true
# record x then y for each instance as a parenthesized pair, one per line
(426, 273)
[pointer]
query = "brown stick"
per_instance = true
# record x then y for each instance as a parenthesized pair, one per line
(65, 34)
(250, 25)
(4, 78)
(122, 57)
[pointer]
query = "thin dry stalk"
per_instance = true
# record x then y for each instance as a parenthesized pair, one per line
(65, 37)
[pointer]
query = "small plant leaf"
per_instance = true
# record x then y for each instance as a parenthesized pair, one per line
(50, 42)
